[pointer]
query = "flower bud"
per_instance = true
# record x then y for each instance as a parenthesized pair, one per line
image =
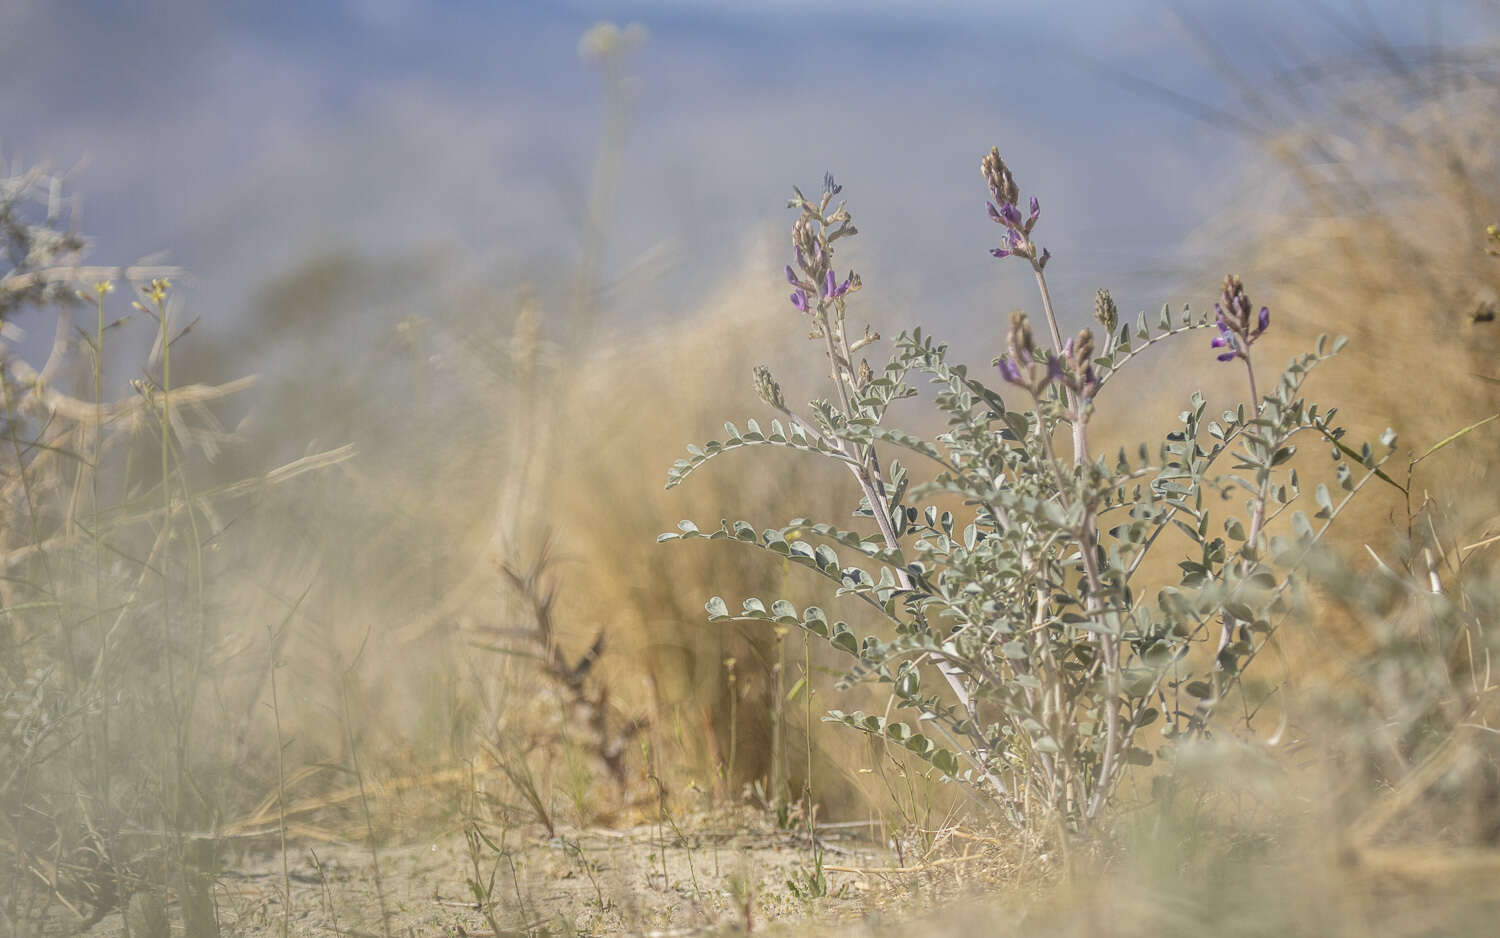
(1002, 185)
(1105, 311)
(1081, 351)
(1019, 342)
(767, 389)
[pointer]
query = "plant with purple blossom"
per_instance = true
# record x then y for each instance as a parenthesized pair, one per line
(1036, 660)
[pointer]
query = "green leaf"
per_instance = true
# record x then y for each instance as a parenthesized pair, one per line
(1344, 448)
(945, 762)
(844, 640)
(1239, 610)
(1018, 424)
(1324, 500)
(1446, 440)
(826, 557)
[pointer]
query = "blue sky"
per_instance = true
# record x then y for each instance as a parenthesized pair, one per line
(239, 138)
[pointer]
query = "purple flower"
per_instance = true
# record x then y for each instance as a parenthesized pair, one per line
(791, 275)
(799, 300)
(829, 186)
(1238, 327)
(1054, 368)
(1009, 371)
(1004, 211)
(1225, 340)
(832, 289)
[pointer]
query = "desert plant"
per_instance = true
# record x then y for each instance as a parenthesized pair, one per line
(1037, 663)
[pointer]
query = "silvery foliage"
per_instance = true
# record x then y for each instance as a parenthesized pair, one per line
(1026, 655)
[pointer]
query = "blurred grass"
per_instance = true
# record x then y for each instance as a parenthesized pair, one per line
(411, 677)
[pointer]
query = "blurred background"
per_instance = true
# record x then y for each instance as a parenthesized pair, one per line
(494, 264)
(239, 140)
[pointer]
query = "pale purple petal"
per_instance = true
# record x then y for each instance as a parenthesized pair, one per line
(1054, 368)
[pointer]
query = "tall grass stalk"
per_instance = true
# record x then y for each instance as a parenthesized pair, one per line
(274, 641)
(346, 717)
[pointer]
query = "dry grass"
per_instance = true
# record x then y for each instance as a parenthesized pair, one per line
(420, 691)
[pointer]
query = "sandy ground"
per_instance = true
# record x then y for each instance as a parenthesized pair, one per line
(648, 880)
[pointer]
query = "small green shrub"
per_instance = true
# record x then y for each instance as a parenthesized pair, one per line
(1035, 665)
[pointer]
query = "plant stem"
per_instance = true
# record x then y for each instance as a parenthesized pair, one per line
(881, 509)
(1087, 544)
(1080, 439)
(1257, 514)
(286, 876)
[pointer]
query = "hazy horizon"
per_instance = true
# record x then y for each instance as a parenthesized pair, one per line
(242, 142)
